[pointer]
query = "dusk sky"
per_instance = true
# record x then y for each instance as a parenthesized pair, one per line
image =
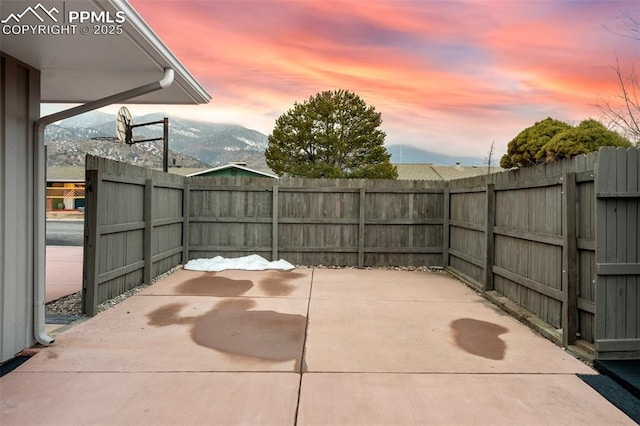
(447, 76)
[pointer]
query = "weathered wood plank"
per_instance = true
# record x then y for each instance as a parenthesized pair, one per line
(528, 283)
(166, 221)
(554, 240)
(163, 255)
(275, 218)
(586, 305)
(618, 269)
(129, 180)
(446, 227)
(119, 272)
(489, 248)
(467, 225)
(361, 227)
(569, 262)
(91, 243)
(120, 227)
(584, 244)
(535, 182)
(148, 231)
(587, 176)
(618, 194)
(186, 217)
(617, 345)
(474, 261)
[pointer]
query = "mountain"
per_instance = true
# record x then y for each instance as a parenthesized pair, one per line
(409, 154)
(192, 143)
(88, 120)
(209, 143)
(68, 148)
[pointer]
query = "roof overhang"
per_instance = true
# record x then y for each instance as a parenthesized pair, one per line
(77, 67)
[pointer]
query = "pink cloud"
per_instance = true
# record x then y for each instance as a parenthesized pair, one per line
(437, 70)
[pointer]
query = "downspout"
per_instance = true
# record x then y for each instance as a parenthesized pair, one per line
(40, 167)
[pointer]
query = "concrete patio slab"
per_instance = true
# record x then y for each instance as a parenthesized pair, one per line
(183, 333)
(452, 399)
(357, 284)
(420, 337)
(383, 347)
(288, 284)
(159, 398)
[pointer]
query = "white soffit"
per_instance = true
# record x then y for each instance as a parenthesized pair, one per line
(77, 67)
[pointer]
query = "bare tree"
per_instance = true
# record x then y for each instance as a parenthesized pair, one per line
(623, 113)
(630, 27)
(488, 160)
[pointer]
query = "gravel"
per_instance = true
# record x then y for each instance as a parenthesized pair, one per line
(71, 305)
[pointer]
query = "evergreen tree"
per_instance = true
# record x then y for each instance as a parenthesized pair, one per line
(522, 150)
(550, 140)
(333, 134)
(589, 136)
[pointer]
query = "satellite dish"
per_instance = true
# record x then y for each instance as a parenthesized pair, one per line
(124, 133)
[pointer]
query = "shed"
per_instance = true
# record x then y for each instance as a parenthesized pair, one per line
(233, 169)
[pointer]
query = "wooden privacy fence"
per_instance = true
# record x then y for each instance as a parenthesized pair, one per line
(316, 221)
(557, 245)
(527, 240)
(133, 228)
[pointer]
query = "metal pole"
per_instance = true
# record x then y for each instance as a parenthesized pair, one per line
(165, 140)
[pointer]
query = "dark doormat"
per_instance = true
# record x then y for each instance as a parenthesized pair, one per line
(615, 394)
(60, 319)
(626, 372)
(12, 364)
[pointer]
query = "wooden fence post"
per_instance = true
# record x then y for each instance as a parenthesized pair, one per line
(185, 223)
(274, 224)
(569, 261)
(148, 231)
(361, 218)
(91, 243)
(489, 244)
(445, 227)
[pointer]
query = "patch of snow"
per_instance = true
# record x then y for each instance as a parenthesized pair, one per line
(251, 143)
(252, 262)
(189, 132)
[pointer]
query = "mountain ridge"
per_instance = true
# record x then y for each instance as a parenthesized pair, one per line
(192, 143)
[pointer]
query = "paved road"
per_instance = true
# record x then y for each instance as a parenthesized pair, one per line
(65, 232)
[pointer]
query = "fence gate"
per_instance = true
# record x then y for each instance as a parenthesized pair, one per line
(617, 333)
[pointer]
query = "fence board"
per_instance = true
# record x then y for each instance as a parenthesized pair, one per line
(569, 261)
(617, 331)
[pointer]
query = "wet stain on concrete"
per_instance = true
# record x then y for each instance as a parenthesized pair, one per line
(479, 338)
(167, 315)
(211, 285)
(276, 283)
(233, 328)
